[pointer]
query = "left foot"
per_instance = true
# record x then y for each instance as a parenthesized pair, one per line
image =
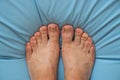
(42, 53)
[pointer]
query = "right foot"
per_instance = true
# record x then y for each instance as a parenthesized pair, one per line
(42, 53)
(78, 55)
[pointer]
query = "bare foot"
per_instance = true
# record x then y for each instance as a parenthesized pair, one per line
(78, 54)
(42, 53)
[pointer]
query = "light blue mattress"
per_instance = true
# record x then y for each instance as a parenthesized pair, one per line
(19, 19)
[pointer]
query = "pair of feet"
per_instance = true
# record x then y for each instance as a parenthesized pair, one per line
(42, 53)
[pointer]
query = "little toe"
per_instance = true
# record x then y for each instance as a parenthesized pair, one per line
(67, 34)
(83, 39)
(44, 35)
(53, 32)
(88, 44)
(92, 53)
(78, 34)
(92, 50)
(28, 49)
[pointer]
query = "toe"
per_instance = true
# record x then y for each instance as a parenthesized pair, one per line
(83, 39)
(44, 36)
(92, 53)
(33, 42)
(53, 32)
(67, 34)
(88, 44)
(92, 50)
(38, 37)
(78, 34)
(28, 50)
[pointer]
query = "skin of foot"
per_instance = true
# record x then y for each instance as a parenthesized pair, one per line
(42, 53)
(78, 53)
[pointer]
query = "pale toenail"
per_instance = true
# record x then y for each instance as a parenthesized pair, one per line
(67, 28)
(79, 31)
(89, 43)
(37, 34)
(53, 28)
(63, 29)
(89, 39)
(43, 30)
(84, 36)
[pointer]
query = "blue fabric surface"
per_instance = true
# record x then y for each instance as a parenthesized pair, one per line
(19, 19)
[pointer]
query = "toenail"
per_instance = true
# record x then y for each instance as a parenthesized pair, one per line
(89, 39)
(43, 28)
(79, 30)
(53, 29)
(88, 44)
(84, 36)
(28, 44)
(63, 29)
(67, 29)
(43, 31)
(37, 34)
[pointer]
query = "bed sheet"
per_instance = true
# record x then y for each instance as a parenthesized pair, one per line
(19, 19)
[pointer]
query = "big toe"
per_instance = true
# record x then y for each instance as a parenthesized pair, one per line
(53, 32)
(88, 44)
(67, 34)
(28, 50)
